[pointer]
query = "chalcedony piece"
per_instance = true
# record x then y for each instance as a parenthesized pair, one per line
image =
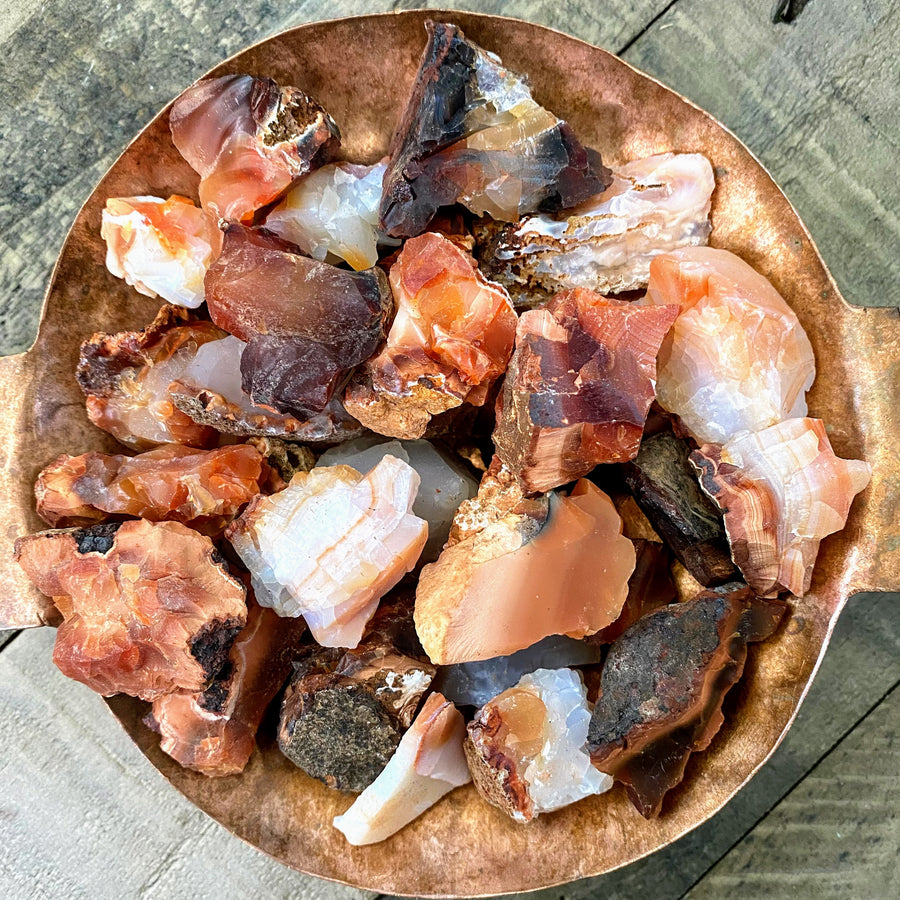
(526, 748)
(579, 386)
(450, 340)
(663, 684)
(331, 544)
(606, 243)
(428, 764)
(332, 214)
(737, 358)
(512, 576)
(201, 488)
(148, 607)
(249, 139)
(160, 247)
(344, 712)
(214, 731)
(473, 134)
(307, 323)
(781, 491)
(665, 486)
(126, 378)
(444, 483)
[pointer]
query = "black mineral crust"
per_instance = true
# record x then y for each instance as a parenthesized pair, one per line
(665, 486)
(211, 644)
(340, 734)
(97, 538)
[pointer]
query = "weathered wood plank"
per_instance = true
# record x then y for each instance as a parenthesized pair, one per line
(845, 817)
(78, 79)
(83, 814)
(817, 101)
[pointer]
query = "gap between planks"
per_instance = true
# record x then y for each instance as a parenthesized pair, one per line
(779, 800)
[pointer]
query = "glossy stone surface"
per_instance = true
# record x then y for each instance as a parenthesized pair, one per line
(474, 683)
(737, 358)
(332, 214)
(472, 134)
(203, 489)
(450, 340)
(148, 608)
(663, 684)
(781, 491)
(209, 391)
(443, 482)
(214, 731)
(249, 139)
(160, 247)
(526, 748)
(331, 544)
(606, 243)
(524, 576)
(579, 386)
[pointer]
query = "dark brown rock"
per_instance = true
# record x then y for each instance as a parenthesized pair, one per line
(667, 490)
(663, 684)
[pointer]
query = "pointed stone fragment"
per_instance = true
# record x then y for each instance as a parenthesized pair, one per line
(663, 684)
(472, 134)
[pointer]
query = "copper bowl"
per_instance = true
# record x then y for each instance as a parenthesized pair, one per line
(361, 69)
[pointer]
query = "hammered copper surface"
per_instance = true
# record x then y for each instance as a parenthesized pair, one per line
(361, 69)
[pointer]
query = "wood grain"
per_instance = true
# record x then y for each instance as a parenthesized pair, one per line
(845, 816)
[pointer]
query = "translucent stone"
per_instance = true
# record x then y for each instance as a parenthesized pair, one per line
(527, 747)
(249, 139)
(331, 544)
(473, 134)
(428, 764)
(444, 483)
(505, 582)
(332, 214)
(161, 247)
(148, 607)
(606, 243)
(781, 491)
(474, 683)
(737, 358)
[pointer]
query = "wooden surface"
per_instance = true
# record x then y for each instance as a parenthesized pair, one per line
(82, 814)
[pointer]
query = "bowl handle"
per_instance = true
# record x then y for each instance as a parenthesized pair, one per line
(21, 604)
(872, 340)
